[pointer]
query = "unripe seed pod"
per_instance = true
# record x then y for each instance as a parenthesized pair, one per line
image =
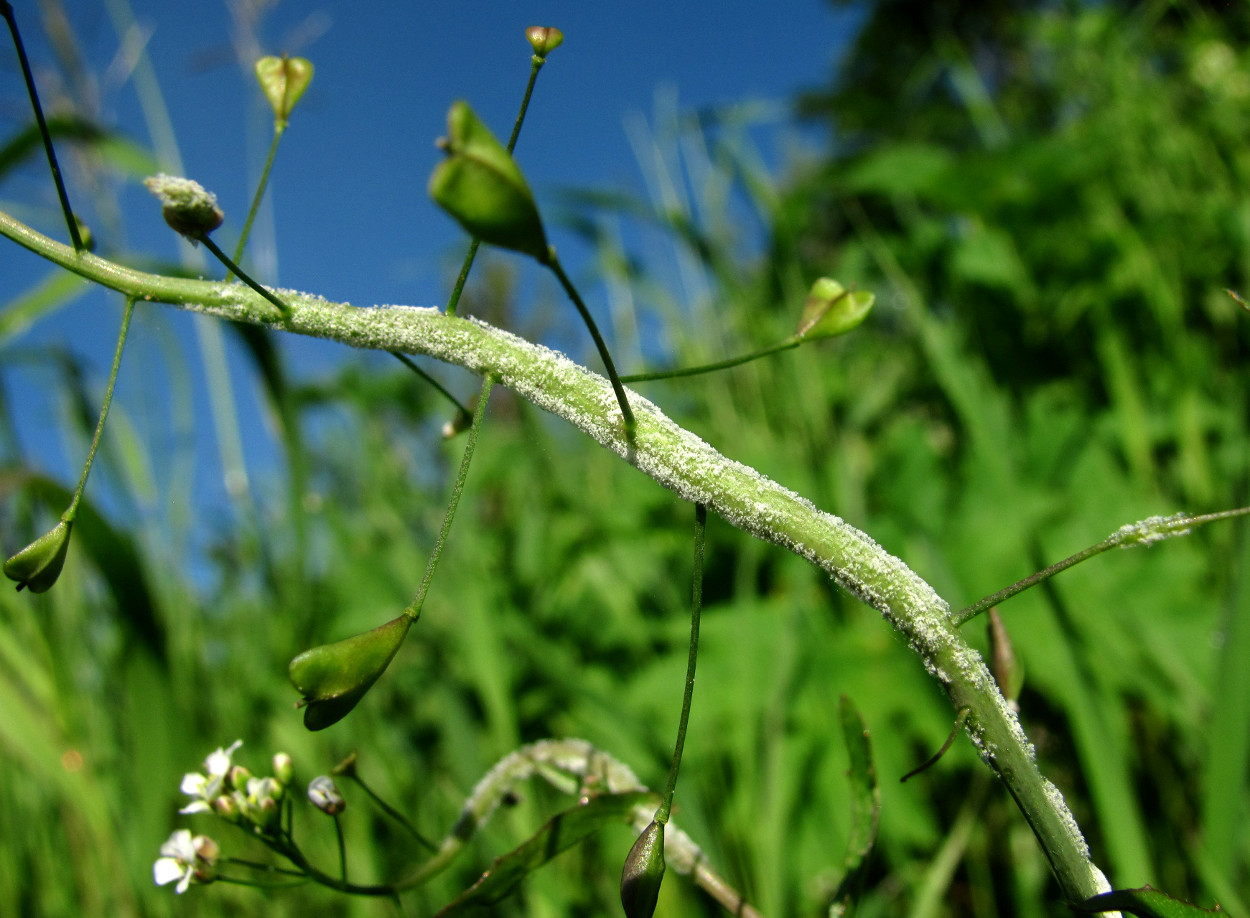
(643, 873)
(37, 566)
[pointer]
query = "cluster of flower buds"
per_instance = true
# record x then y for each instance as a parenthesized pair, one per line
(234, 793)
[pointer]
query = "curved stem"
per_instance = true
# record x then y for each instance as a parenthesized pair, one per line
(626, 412)
(681, 461)
(72, 510)
(792, 342)
(696, 607)
(413, 609)
(6, 10)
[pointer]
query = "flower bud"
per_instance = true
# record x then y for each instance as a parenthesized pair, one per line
(283, 768)
(239, 776)
(325, 796)
(334, 677)
(37, 566)
(480, 185)
(225, 807)
(1004, 664)
(544, 39)
(283, 80)
(185, 205)
(643, 873)
(831, 310)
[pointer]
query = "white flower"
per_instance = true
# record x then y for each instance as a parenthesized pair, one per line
(186, 859)
(206, 788)
(325, 795)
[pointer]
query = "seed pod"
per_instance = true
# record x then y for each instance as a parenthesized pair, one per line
(544, 39)
(37, 566)
(334, 677)
(480, 185)
(643, 873)
(283, 80)
(831, 310)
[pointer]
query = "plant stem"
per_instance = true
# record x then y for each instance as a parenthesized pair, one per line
(393, 813)
(536, 64)
(279, 128)
(413, 610)
(283, 309)
(696, 607)
(1145, 532)
(410, 364)
(6, 10)
(682, 462)
(630, 424)
(69, 515)
(792, 342)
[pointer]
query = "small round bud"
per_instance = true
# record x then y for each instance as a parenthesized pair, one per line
(225, 807)
(185, 205)
(643, 873)
(283, 768)
(238, 778)
(544, 39)
(37, 566)
(324, 795)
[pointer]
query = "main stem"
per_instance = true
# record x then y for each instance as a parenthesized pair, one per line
(679, 460)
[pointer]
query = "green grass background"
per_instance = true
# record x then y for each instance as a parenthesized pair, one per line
(1049, 230)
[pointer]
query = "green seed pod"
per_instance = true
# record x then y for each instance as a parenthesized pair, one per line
(334, 677)
(37, 566)
(831, 310)
(544, 39)
(283, 80)
(480, 185)
(643, 873)
(186, 206)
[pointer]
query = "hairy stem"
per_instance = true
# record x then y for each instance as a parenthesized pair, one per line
(679, 460)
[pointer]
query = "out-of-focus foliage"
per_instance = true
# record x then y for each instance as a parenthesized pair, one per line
(1048, 204)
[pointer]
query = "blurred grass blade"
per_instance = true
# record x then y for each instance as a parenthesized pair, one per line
(1145, 903)
(58, 289)
(561, 832)
(116, 150)
(865, 809)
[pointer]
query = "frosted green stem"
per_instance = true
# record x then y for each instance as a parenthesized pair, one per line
(679, 460)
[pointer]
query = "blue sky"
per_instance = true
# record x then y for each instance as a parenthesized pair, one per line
(350, 218)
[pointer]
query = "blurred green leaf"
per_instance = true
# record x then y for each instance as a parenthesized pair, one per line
(1145, 903)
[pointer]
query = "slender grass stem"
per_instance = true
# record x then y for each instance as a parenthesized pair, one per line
(413, 609)
(696, 607)
(536, 64)
(6, 10)
(72, 511)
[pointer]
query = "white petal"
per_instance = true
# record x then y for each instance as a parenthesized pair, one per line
(179, 846)
(199, 806)
(185, 881)
(166, 870)
(193, 783)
